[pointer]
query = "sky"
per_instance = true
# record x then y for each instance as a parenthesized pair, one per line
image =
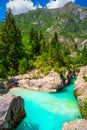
(22, 6)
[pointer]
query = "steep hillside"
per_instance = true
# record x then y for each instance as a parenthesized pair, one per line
(61, 47)
(70, 22)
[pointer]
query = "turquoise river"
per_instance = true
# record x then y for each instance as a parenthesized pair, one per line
(48, 111)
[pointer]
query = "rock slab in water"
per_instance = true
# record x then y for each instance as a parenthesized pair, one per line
(50, 83)
(11, 111)
(76, 125)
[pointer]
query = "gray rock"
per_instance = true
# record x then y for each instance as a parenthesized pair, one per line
(80, 89)
(1, 85)
(11, 111)
(76, 125)
(3, 89)
(80, 84)
(50, 83)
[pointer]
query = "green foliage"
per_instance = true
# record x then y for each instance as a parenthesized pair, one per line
(59, 69)
(45, 69)
(27, 48)
(11, 45)
(85, 78)
(3, 73)
(23, 66)
(19, 54)
(35, 41)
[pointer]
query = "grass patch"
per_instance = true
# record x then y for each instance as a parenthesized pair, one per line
(85, 78)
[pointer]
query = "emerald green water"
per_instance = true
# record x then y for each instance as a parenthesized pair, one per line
(48, 111)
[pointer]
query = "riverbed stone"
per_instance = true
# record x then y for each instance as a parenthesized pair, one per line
(11, 111)
(76, 125)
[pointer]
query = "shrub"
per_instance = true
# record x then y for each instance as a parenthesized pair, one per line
(23, 66)
(85, 78)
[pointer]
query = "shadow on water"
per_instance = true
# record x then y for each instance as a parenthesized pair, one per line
(34, 127)
(28, 126)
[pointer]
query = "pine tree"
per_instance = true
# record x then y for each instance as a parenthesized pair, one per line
(11, 44)
(54, 40)
(34, 41)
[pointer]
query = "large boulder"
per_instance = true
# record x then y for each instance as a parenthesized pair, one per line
(76, 125)
(51, 83)
(37, 81)
(11, 111)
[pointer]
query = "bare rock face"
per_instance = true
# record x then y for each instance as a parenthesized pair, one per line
(76, 125)
(11, 111)
(68, 76)
(80, 91)
(50, 83)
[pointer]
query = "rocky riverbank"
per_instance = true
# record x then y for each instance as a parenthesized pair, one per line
(76, 125)
(80, 84)
(12, 107)
(80, 91)
(11, 111)
(50, 83)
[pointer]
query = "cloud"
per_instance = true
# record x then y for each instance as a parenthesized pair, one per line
(39, 6)
(20, 6)
(57, 3)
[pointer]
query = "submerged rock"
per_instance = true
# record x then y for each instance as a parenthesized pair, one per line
(11, 111)
(76, 125)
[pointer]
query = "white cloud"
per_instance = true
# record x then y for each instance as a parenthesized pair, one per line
(57, 3)
(39, 6)
(20, 6)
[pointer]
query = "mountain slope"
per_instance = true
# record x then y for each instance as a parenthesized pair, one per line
(70, 22)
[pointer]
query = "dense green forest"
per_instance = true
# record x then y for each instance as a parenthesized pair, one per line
(21, 53)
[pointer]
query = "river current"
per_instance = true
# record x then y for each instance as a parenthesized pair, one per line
(48, 111)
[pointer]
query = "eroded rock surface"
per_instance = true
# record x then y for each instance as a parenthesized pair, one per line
(11, 111)
(76, 125)
(80, 91)
(50, 83)
(80, 84)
